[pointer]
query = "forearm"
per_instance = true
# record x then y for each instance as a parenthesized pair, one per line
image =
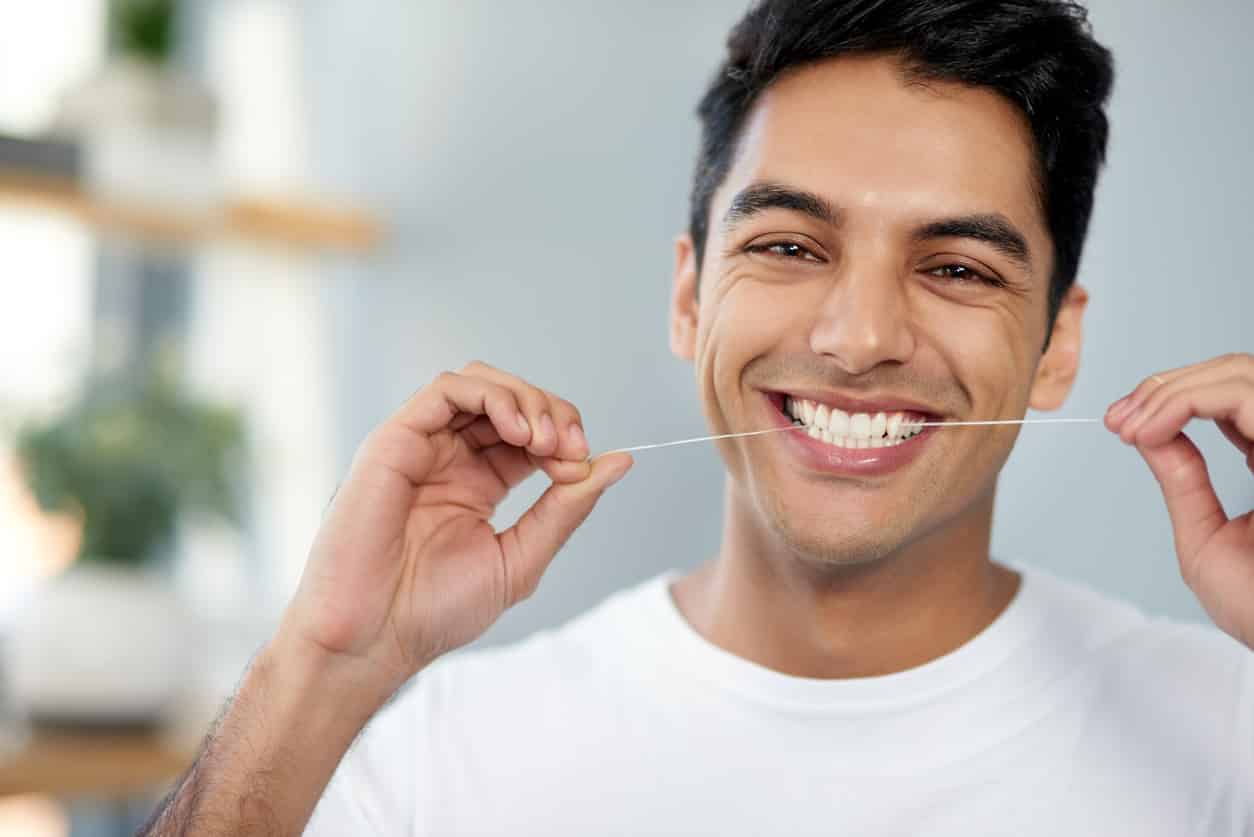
(267, 761)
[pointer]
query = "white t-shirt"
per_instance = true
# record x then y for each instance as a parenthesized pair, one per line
(1072, 714)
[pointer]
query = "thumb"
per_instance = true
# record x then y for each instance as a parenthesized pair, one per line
(530, 544)
(1195, 510)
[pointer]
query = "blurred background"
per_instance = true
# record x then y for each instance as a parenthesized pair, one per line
(235, 234)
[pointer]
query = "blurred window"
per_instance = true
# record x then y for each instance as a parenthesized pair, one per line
(44, 47)
(46, 276)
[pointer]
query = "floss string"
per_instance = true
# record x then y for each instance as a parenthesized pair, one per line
(799, 427)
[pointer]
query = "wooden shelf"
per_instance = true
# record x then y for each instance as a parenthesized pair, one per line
(249, 220)
(107, 765)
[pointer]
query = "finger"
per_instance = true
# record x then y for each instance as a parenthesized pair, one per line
(386, 465)
(1195, 510)
(1145, 398)
(572, 443)
(481, 433)
(530, 544)
(1123, 410)
(536, 406)
(1233, 435)
(513, 465)
(1230, 399)
(564, 470)
(435, 406)
(1149, 401)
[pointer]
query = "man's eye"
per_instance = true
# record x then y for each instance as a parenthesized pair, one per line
(960, 273)
(785, 250)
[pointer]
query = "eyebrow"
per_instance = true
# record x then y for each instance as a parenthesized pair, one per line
(993, 229)
(759, 197)
(990, 228)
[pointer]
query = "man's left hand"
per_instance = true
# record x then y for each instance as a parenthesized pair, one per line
(1216, 552)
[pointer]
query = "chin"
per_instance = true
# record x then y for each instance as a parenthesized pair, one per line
(824, 543)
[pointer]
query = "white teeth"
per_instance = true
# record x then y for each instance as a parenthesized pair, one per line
(839, 422)
(878, 425)
(893, 428)
(860, 425)
(857, 431)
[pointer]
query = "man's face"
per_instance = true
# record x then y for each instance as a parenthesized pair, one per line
(877, 247)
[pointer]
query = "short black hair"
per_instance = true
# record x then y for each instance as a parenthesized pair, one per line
(1038, 54)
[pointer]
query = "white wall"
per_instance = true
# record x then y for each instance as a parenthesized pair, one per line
(535, 158)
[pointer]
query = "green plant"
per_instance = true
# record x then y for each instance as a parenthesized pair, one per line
(129, 461)
(143, 28)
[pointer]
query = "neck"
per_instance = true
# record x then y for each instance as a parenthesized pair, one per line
(764, 603)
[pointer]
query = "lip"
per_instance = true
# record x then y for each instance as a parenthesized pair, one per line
(819, 456)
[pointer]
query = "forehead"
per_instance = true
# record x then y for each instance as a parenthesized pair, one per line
(857, 131)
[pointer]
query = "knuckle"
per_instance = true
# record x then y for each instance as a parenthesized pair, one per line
(499, 396)
(534, 399)
(1237, 360)
(474, 366)
(571, 410)
(563, 407)
(377, 443)
(527, 586)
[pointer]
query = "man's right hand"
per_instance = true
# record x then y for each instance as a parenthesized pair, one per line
(407, 565)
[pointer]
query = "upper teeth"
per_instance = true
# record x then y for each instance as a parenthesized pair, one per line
(857, 430)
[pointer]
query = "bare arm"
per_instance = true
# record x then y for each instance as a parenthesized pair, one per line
(269, 757)
(406, 567)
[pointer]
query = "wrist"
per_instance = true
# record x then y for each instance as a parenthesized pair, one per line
(347, 688)
(270, 756)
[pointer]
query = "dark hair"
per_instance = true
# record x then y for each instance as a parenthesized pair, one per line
(1039, 54)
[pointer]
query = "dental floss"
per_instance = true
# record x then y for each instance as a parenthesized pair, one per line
(799, 427)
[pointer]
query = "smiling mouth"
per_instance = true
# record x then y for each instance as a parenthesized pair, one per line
(851, 430)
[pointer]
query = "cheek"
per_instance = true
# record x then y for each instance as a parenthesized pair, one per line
(986, 351)
(746, 321)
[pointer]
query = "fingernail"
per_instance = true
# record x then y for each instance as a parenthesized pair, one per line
(522, 423)
(578, 440)
(547, 430)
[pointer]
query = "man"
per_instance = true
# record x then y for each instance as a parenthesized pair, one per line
(887, 219)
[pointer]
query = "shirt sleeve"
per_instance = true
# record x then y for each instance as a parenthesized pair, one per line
(372, 790)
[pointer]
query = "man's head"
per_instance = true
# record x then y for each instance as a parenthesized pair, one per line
(888, 212)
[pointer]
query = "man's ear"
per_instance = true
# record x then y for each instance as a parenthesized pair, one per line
(1057, 369)
(684, 300)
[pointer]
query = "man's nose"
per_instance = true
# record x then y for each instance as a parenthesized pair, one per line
(864, 319)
